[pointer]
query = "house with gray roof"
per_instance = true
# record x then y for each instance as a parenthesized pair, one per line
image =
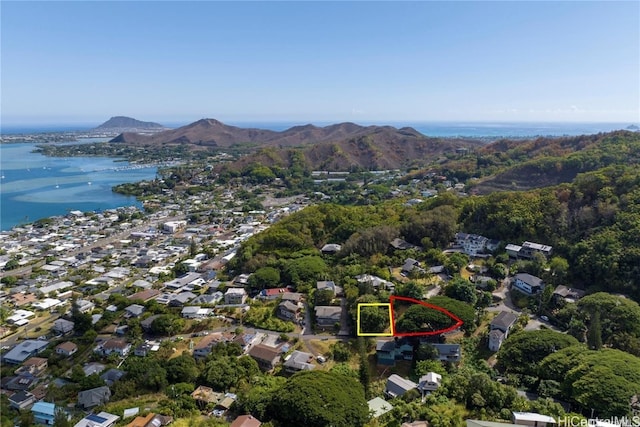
(330, 249)
(134, 310)
(235, 296)
(21, 399)
(208, 299)
(411, 265)
(112, 375)
(195, 312)
(328, 315)
(503, 322)
(397, 386)
(181, 299)
(329, 285)
(388, 351)
(528, 284)
(63, 326)
(96, 396)
(298, 361)
(288, 310)
(93, 368)
(570, 295)
(496, 338)
(447, 352)
(146, 323)
(375, 281)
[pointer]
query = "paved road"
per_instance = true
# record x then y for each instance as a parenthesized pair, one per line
(344, 318)
(22, 331)
(264, 331)
(506, 305)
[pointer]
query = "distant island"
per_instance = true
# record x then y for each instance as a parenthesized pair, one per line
(633, 127)
(124, 124)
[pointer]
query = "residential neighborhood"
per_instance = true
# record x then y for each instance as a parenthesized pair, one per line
(92, 325)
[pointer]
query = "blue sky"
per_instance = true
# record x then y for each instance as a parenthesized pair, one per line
(82, 62)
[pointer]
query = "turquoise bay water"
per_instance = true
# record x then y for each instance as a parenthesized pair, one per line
(33, 186)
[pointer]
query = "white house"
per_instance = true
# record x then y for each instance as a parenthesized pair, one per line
(20, 317)
(174, 226)
(66, 349)
(527, 283)
(120, 347)
(46, 303)
(429, 382)
(499, 329)
(84, 305)
(196, 312)
(235, 296)
(496, 338)
(102, 419)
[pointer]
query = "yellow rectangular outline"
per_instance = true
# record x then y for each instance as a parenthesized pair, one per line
(374, 304)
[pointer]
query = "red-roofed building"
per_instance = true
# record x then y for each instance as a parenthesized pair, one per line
(34, 365)
(246, 421)
(271, 294)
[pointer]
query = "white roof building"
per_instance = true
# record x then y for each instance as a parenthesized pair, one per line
(532, 419)
(46, 303)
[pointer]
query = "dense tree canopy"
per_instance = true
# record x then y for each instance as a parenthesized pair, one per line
(223, 372)
(320, 399)
(522, 352)
(617, 315)
(374, 319)
(419, 318)
(167, 324)
(462, 290)
(182, 369)
(464, 311)
(604, 380)
(265, 277)
(438, 225)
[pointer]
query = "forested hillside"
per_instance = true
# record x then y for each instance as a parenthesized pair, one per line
(520, 165)
(593, 223)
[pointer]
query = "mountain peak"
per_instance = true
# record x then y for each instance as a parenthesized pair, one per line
(123, 122)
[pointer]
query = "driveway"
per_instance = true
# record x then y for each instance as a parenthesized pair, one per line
(433, 292)
(344, 319)
(504, 293)
(307, 330)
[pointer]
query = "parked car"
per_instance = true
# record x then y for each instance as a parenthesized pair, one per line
(321, 359)
(545, 318)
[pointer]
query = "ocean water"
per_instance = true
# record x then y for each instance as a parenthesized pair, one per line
(33, 186)
(470, 129)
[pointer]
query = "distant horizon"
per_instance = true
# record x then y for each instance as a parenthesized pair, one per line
(426, 127)
(183, 122)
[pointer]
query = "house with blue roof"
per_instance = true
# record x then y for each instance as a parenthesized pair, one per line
(24, 350)
(44, 413)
